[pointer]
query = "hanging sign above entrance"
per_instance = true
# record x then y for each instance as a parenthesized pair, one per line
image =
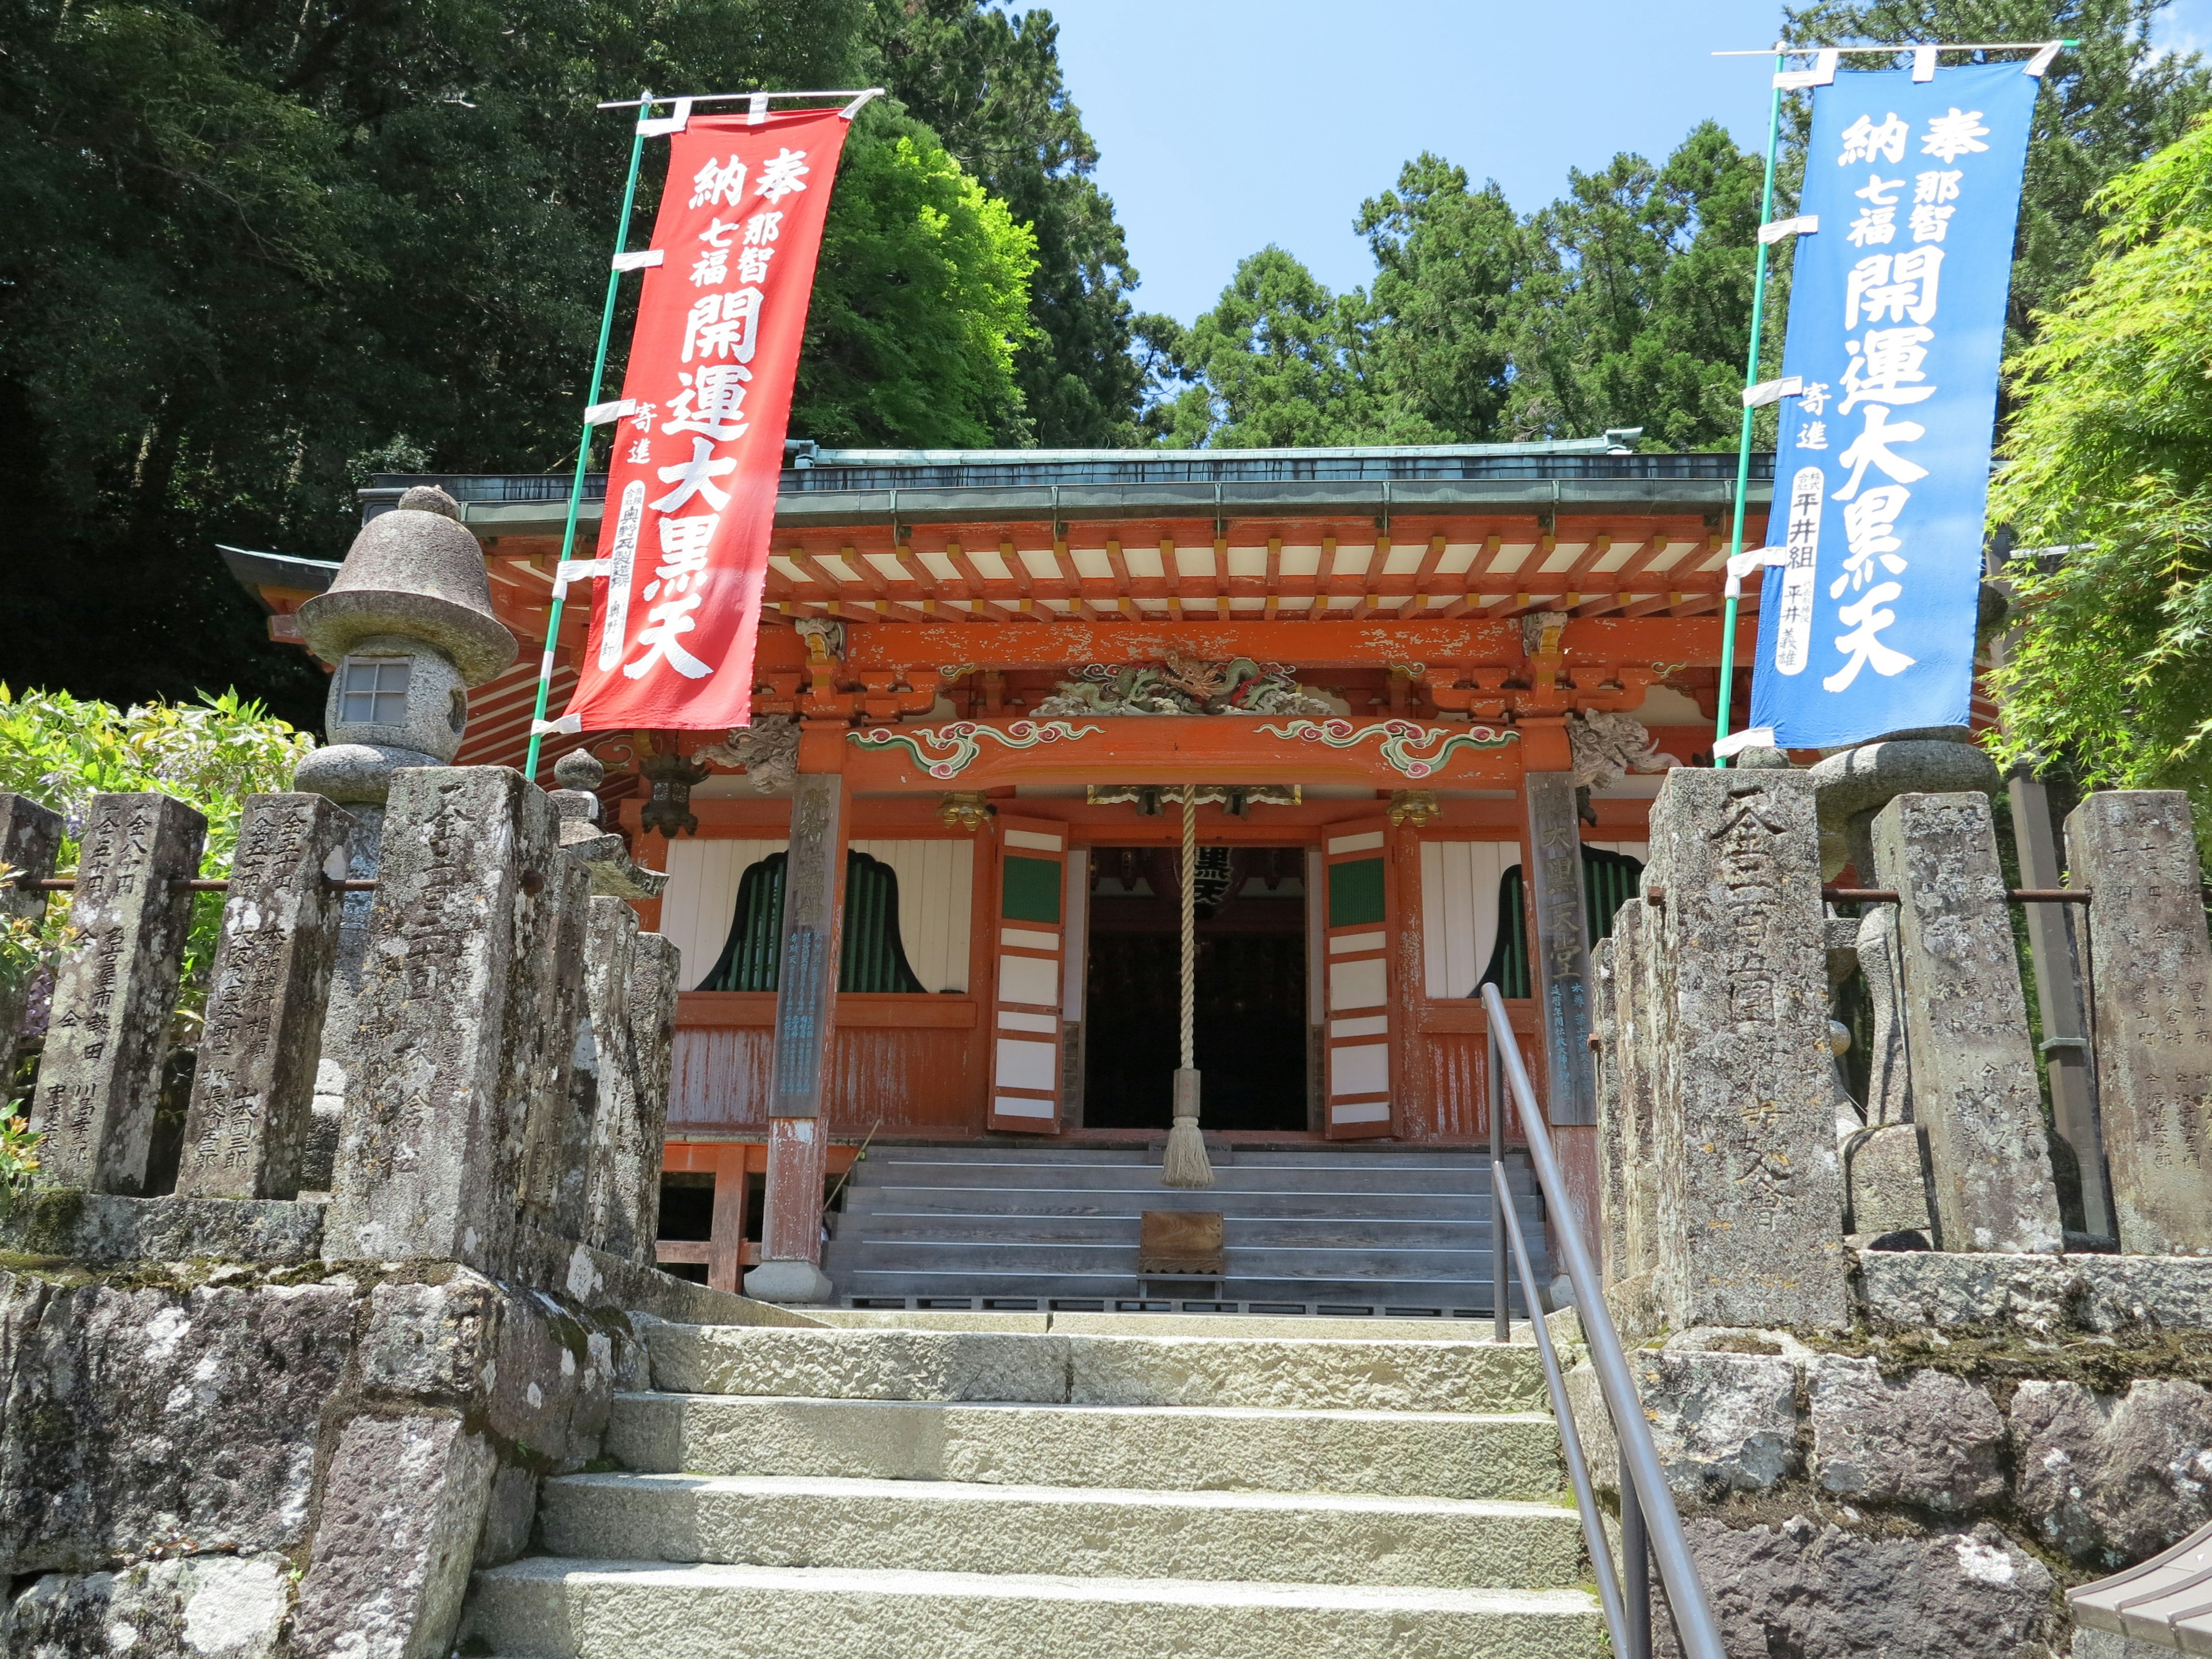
(1889, 390)
(699, 431)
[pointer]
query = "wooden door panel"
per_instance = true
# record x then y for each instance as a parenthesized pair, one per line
(1030, 960)
(1359, 1088)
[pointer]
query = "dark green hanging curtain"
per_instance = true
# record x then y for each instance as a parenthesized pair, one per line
(872, 958)
(1609, 882)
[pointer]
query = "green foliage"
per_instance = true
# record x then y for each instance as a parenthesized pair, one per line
(1449, 261)
(1623, 304)
(1280, 361)
(1636, 308)
(2110, 456)
(988, 82)
(258, 252)
(19, 1158)
(61, 751)
(921, 302)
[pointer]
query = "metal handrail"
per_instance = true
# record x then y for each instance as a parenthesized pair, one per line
(1570, 1442)
(1639, 1455)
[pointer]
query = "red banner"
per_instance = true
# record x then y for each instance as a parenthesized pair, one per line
(690, 502)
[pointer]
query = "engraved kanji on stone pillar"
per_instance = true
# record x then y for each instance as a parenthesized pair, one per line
(30, 836)
(1561, 976)
(546, 1026)
(246, 1132)
(2151, 977)
(632, 980)
(1621, 974)
(1974, 1090)
(805, 1023)
(100, 1078)
(430, 1161)
(1749, 1206)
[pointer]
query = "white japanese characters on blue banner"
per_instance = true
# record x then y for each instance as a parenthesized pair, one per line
(1896, 310)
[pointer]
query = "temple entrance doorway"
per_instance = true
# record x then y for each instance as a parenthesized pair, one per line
(1251, 1027)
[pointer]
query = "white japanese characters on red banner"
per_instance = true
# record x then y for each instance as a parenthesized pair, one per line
(1897, 311)
(690, 500)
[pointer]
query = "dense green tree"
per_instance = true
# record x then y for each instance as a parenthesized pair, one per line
(1623, 304)
(1279, 361)
(988, 84)
(1635, 310)
(1449, 261)
(256, 251)
(2110, 457)
(922, 303)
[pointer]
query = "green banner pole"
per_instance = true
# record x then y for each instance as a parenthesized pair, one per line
(645, 100)
(1743, 442)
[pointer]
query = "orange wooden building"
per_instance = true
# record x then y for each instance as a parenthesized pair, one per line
(959, 647)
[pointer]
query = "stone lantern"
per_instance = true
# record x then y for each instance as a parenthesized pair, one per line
(407, 626)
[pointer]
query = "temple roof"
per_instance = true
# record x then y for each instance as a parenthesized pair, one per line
(856, 487)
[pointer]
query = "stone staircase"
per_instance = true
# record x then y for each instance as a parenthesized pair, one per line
(1060, 1486)
(1327, 1231)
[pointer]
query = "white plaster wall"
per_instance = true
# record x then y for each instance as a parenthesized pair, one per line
(703, 890)
(1459, 909)
(1459, 906)
(936, 881)
(937, 884)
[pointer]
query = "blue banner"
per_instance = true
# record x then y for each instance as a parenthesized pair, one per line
(1896, 310)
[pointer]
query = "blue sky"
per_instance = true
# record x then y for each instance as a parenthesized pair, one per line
(1226, 124)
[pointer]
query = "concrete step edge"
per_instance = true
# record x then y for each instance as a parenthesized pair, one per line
(659, 1399)
(863, 1489)
(553, 1571)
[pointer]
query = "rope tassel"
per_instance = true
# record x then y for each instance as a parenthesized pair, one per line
(1185, 1163)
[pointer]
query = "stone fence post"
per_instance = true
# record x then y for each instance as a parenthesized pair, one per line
(430, 1162)
(1974, 1089)
(247, 1131)
(99, 1077)
(1727, 1006)
(2151, 981)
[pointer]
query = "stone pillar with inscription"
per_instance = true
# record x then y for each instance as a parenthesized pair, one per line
(430, 1165)
(100, 1078)
(625, 1125)
(545, 1016)
(1623, 982)
(806, 1025)
(1749, 1207)
(626, 1207)
(2151, 977)
(1559, 975)
(30, 836)
(246, 1130)
(1974, 1089)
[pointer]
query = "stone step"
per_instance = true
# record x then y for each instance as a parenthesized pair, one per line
(1244, 1157)
(1459, 1262)
(901, 1200)
(875, 1525)
(556, 1608)
(1302, 1233)
(1466, 1296)
(1229, 1179)
(1310, 1373)
(1501, 1454)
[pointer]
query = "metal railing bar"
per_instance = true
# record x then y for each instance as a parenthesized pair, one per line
(1635, 1567)
(1685, 1593)
(1571, 1444)
(1501, 1309)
